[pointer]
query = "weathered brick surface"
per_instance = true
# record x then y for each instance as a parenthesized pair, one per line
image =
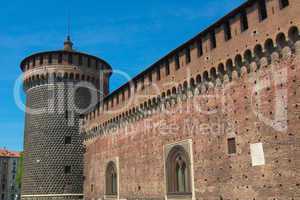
(139, 146)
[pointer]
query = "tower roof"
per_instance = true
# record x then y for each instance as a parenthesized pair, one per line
(68, 44)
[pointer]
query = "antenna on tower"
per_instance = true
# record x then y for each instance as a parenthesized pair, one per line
(68, 43)
(69, 24)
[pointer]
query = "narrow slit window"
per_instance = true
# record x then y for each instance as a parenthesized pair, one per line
(142, 83)
(135, 86)
(177, 62)
(41, 60)
(150, 78)
(227, 31)
(59, 58)
(231, 146)
(50, 59)
(123, 95)
(158, 73)
(188, 55)
(80, 60)
(66, 114)
(244, 21)
(213, 41)
(129, 91)
(70, 59)
(284, 3)
(167, 68)
(199, 48)
(117, 99)
(89, 62)
(262, 9)
(33, 62)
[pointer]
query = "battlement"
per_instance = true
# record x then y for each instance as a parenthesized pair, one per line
(253, 35)
(64, 65)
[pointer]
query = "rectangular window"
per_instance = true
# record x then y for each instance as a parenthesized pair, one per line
(41, 60)
(80, 60)
(231, 146)
(227, 31)
(68, 169)
(187, 55)
(135, 86)
(199, 48)
(50, 58)
(177, 62)
(117, 98)
(66, 114)
(142, 83)
(167, 67)
(129, 91)
(244, 21)
(262, 10)
(68, 140)
(150, 78)
(158, 73)
(89, 62)
(213, 41)
(60, 57)
(123, 95)
(284, 3)
(70, 59)
(33, 62)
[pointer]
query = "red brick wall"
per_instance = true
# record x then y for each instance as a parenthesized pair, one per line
(228, 110)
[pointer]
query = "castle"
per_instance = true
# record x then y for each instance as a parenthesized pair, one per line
(216, 118)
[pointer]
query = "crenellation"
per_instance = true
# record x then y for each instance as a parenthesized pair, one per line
(258, 52)
(233, 70)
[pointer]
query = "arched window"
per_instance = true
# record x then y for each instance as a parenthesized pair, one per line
(178, 172)
(111, 179)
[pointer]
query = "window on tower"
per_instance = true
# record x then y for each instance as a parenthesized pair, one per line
(68, 169)
(68, 139)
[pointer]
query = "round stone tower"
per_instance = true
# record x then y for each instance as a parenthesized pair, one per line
(60, 86)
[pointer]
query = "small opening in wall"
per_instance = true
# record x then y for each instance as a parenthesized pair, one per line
(244, 21)
(262, 9)
(68, 169)
(68, 140)
(284, 3)
(227, 31)
(92, 187)
(231, 145)
(213, 41)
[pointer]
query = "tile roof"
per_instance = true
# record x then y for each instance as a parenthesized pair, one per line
(10, 154)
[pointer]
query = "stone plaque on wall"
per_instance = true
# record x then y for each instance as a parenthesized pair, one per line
(257, 154)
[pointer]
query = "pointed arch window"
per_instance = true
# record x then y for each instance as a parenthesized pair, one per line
(178, 172)
(111, 179)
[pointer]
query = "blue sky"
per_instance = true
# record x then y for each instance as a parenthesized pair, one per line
(130, 35)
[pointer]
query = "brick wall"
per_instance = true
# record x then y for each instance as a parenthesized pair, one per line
(234, 109)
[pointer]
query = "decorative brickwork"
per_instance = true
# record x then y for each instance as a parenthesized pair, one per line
(55, 100)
